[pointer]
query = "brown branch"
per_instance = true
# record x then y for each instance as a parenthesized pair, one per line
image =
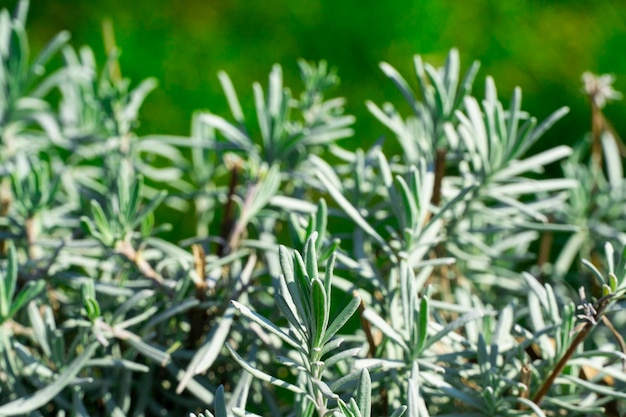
(228, 221)
(19, 330)
(597, 127)
(545, 248)
(366, 328)
(239, 228)
(125, 248)
(5, 205)
(198, 317)
(525, 378)
(200, 267)
(440, 172)
(547, 384)
(584, 331)
(439, 250)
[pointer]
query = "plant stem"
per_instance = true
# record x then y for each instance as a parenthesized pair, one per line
(547, 384)
(367, 329)
(228, 221)
(545, 247)
(198, 315)
(440, 172)
(125, 248)
(587, 327)
(597, 126)
(5, 205)
(524, 377)
(31, 231)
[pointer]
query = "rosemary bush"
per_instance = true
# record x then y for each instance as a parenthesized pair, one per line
(453, 278)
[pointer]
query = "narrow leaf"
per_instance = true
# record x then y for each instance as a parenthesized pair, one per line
(262, 375)
(219, 403)
(320, 312)
(349, 209)
(385, 327)
(423, 322)
(399, 412)
(311, 257)
(342, 318)
(43, 396)
(266, 324)
(364, 394)
(450, 327)
(230, 132)
(31, 290)
(289, 314)
(231, 96)
(343, 355)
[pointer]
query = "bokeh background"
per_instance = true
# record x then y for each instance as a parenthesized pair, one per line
(542, 46)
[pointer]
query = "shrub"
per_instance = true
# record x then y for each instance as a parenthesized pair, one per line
(317, 280)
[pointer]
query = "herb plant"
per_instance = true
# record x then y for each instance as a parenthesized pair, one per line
(446, 270)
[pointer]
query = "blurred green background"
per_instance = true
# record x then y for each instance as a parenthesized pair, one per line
(542, 46)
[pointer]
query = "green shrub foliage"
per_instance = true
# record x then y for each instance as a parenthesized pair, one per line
(451, 269)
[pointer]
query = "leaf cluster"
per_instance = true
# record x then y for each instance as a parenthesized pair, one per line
(454, 278)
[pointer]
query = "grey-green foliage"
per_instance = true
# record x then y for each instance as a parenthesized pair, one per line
(10, 301)
(23, 83)
(285, 138)
(442, 91)
(491, 209)
(418, 285)
(594, 205)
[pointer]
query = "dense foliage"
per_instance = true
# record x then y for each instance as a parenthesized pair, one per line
(454, 278)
